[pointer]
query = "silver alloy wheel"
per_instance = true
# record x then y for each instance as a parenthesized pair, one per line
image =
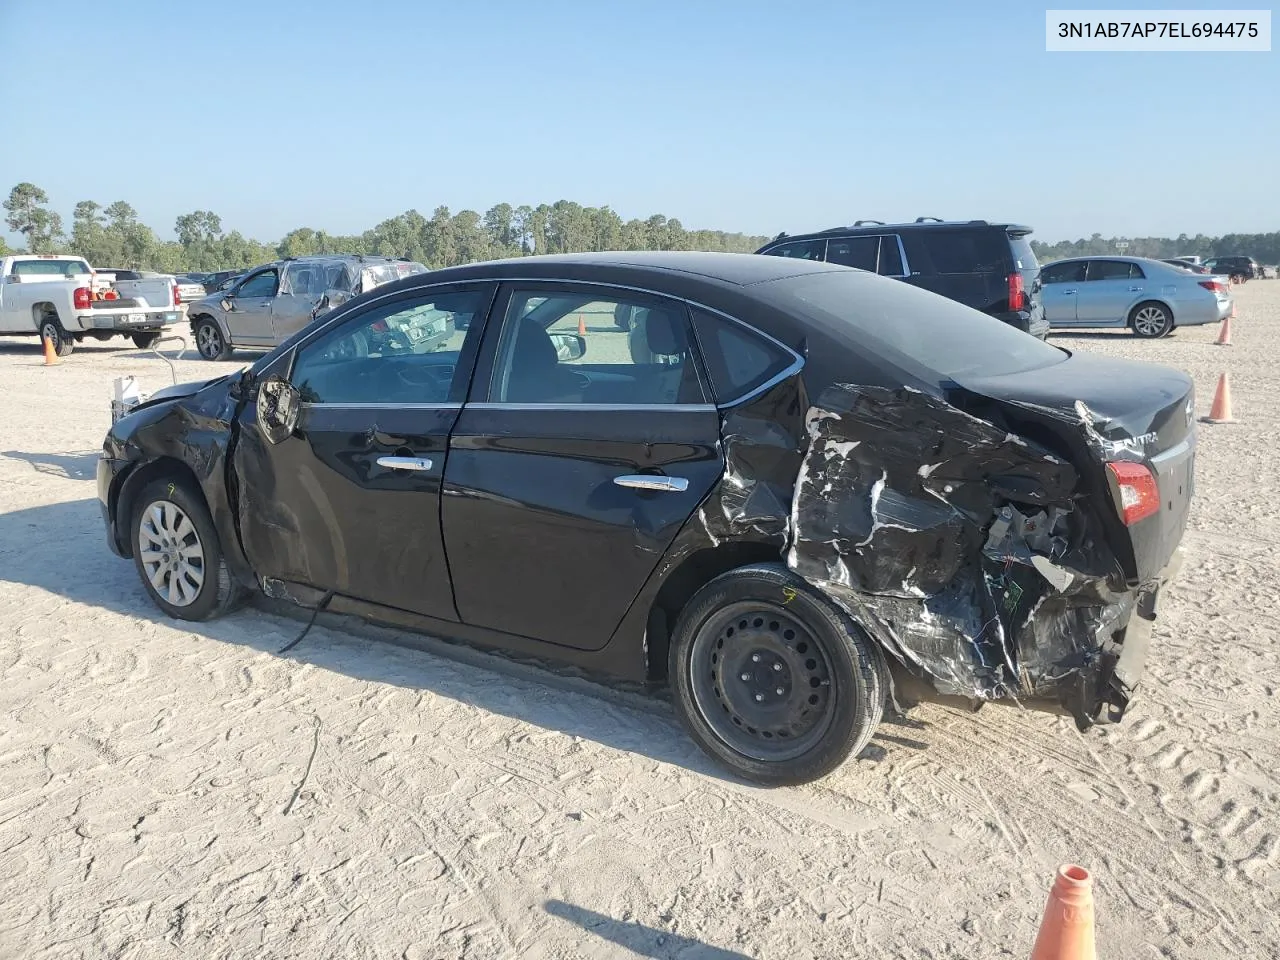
(171, 553)
(1149, 321)
(50, 332)
(209, 341)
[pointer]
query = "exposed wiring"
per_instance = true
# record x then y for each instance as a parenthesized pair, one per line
(324, 602)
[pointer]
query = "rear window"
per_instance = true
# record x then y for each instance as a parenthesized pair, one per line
(1024, 257)
(46, 268)
(913, 328)
(966, 251)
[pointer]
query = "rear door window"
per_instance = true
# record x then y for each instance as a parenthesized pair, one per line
(965, 251)
(1107, 270)
(1024, 256)
(800, 250)
(860, 252)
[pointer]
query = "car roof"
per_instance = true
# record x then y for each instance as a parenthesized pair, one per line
(923, 223)
(1105, 256)
(720, 269)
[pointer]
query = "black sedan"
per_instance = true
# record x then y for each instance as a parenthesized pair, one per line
(790, 489)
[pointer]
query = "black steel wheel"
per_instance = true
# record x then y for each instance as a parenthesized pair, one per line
(772, 679)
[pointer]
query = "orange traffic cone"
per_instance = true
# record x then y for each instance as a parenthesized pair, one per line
(1066, 932)
(582, 326)
(50, 355)
(1220, 412)
(1224, 335)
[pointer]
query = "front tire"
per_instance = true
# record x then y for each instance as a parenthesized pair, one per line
(1151, 321)
(772, 679)
(210, 343)
(51, 329)
(177, 554)
(144, 340)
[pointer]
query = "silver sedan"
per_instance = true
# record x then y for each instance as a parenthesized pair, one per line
(1149, 297)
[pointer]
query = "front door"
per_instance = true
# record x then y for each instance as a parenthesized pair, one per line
(571, 470)
(351, 501)
(301, 290)
(249, 319)
(1060, 290)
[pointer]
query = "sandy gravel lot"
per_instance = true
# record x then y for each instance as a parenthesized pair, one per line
(177, 791)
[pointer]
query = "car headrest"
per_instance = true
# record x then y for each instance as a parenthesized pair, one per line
(663, 333)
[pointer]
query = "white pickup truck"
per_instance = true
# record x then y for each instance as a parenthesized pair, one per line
(61, 298)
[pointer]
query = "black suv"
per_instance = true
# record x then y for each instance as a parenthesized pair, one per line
(1239, 269)
(987, 266)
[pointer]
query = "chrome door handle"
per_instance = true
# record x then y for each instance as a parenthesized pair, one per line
(405, 463)
(640, 481)
(1067, 291)
(1135, 289)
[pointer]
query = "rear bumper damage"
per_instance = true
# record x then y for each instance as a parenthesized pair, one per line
(970, 555)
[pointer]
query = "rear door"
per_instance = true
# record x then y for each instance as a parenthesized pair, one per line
(569, 475)
(249, 319)
(350, 502)
(1110, 288)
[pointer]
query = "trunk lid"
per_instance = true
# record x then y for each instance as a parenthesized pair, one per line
(1137, 412)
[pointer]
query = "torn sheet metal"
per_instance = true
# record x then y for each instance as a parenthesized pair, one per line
(962, 548)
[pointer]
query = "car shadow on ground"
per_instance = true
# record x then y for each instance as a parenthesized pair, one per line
(61, 548)
(81, 465)
(641, 940)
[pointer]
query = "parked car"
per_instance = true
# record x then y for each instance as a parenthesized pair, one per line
(187, 291)
(788, 483)
(1268, 271)
(1187, 265)
(1150, 297)
(1197, 261)
(63, 300)
(1239, 269)
(269, 303)
(988, 266)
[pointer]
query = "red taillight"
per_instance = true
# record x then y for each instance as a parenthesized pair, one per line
(177, 296)
(81, 298)
(1139, 494)
(1213, 286)
(1017, 296)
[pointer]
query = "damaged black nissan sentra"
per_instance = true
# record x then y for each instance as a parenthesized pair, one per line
(793, 490)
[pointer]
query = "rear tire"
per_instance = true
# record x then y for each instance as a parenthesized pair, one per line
(210, 343)
(144, 340)
(1151, 320)
(772, 679)
(51, 329)
(177, 554)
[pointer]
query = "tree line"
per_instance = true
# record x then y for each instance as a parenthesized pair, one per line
(113, 236)
(1263, 247)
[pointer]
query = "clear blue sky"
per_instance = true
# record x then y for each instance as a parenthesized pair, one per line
(728, 114)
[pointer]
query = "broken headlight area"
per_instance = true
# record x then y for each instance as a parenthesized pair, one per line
(966, 551)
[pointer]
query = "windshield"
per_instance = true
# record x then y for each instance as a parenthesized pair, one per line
(909, 326)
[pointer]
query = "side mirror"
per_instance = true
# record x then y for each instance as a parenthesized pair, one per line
(226, 302)
(279, 404)
(569, 346)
